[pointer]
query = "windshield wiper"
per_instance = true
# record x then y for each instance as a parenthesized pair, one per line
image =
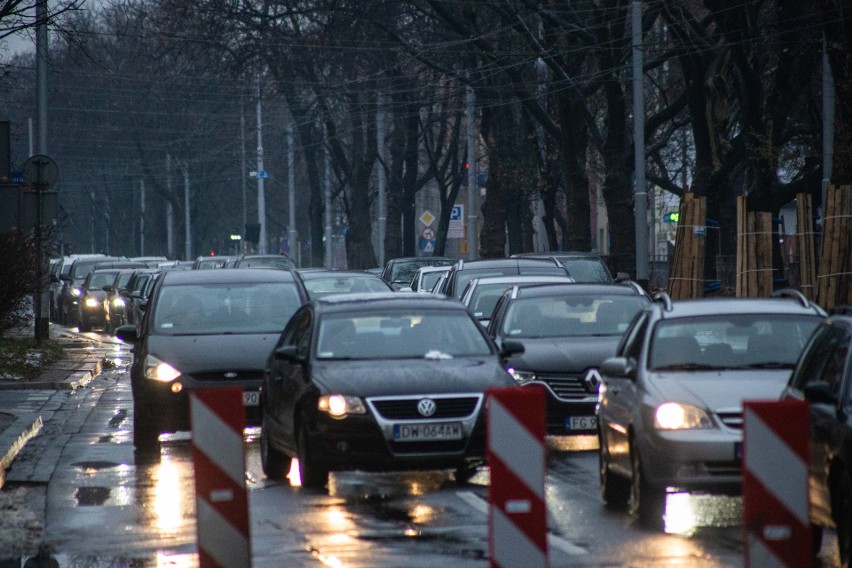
(688, 367)
(770, 365)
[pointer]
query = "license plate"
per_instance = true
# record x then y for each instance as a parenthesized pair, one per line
(575, 423)
(427, 432)
(251, 398)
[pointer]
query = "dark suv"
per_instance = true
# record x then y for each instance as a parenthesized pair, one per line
(463, 271)
(823, 377)
(582, 266)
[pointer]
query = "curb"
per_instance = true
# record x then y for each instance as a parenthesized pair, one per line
(90, 368)
(15, 437)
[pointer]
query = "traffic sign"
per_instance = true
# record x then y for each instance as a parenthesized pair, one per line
(259, 175)
(427, 218)
(427, 246)
(428, 234)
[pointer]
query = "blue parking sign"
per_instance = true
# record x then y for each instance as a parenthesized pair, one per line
(456, 213)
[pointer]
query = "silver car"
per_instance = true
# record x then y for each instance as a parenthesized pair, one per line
(670, 408)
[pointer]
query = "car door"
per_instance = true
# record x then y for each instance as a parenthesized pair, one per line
(621, 396)
(287, 378)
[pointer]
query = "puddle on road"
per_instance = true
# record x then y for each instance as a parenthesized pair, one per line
(92, 496)
(117, 418)
(94, 466)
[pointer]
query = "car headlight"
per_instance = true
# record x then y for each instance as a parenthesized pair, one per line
(338, 405)
(118, 302)
(159, 370)
(677, 416)
(92, 302)
(522, 377)
(76, 292)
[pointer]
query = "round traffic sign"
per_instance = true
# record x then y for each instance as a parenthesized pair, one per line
(428, 234)
(41, 171)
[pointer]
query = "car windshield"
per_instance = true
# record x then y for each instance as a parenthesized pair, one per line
(319, 287)
(81, 269)
(586, 269)
(429, 279)
(267, 261)
(214, 309)
(123, 279)
(571, 316)
(726, 341)
(484, 297)
(98, 280)
(402, 334)
(403, 272)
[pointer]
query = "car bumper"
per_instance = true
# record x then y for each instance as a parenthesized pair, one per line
(568, 417)
(696, 460)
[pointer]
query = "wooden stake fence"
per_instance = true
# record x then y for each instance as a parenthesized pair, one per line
(686, 278)
(754, 252)
(805, 245)
(834, 283)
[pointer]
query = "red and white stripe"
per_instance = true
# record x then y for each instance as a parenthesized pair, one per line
(517, 458)
(775, 484)
(218, 452)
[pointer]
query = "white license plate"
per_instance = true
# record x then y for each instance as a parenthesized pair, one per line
(427, 432)
(581, 423)
(251, 398)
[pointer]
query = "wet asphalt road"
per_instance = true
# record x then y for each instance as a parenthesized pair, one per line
(105, 510)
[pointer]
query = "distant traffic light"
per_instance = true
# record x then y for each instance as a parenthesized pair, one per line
(671, 217)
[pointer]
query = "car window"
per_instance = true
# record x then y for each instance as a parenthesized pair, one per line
(225, 308)
(97, 280)
(586, 269)
(731, 341)
(428, 280)
(484, 298)
(571, 316)
(301, 333)
(400, 334)
(319, 287)
(635, 337)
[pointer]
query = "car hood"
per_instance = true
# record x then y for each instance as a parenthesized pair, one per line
(197, 353)
(720, 389)
(410, 376)
(561, 355)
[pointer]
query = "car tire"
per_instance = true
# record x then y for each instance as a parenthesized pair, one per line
(615, 489)
(841, 512)
(274, 463)
(83, 326)
(146, 429)
(647, 503)
(313, 475)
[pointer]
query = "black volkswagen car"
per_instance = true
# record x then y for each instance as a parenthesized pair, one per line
(823, 377)
(378, 382)
(204, 329)
(567, 330)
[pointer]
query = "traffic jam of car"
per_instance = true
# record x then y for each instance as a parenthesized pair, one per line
(359, 370)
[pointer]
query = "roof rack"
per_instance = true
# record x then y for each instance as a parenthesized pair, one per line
(794, 294)
(635, 285)
(664, 299)
(842, 310)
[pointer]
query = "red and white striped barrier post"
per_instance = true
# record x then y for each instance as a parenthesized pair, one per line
(775, 484)
(517, 519)
(221, 499)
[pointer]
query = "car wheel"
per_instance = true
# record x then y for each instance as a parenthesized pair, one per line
(273, 462)
(841, 511)
(146, 429)
(647, 503)
(615, 490)
(313, 475)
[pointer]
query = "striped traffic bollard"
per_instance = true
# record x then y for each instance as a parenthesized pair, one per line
(221, 500)
(775, 484)
(517, 519)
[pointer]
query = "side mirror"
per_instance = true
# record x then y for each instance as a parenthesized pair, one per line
(619, 368)
(289, 353)
(622, 277)
(819, 392)
(126, 333)
(510, 348)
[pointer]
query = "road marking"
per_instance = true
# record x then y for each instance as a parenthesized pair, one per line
(478, 503)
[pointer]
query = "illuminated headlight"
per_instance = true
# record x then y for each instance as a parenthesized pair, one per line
(676, 416)
(521, 377)
(339, 406)
(76, 292)
(92, 302)
(118, 302)
(159, 370)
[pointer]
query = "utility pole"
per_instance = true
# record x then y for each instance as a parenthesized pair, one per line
(291, 198)
(327, 202)
(382, 179)
(142, 217)
(41, 315)
(186, 216)
(261, 174)
(471, 174)
(170, 215)
(640, 194)
(244, 173)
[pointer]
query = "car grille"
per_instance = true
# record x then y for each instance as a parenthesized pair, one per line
(569, 387)
(220, 376)
(723, 468)
(449, 447)
(406, 408)
(731, 419)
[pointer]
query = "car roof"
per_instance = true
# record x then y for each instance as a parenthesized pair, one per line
(602, 289)
(244, 275)
(523, 278)
(421, 259)
(559, 254)
(382, 300)
(425, 269)
(317, 274)
(502, 262)
(728, 306)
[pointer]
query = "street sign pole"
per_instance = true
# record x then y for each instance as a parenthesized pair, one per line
(40, 171)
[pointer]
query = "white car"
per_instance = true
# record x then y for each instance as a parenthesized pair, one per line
(670, 408)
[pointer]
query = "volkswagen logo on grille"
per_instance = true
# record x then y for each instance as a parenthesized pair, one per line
(230, 375)
(426, 407)
(592, 380)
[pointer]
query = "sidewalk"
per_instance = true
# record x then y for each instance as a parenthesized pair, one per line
(18, 423)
